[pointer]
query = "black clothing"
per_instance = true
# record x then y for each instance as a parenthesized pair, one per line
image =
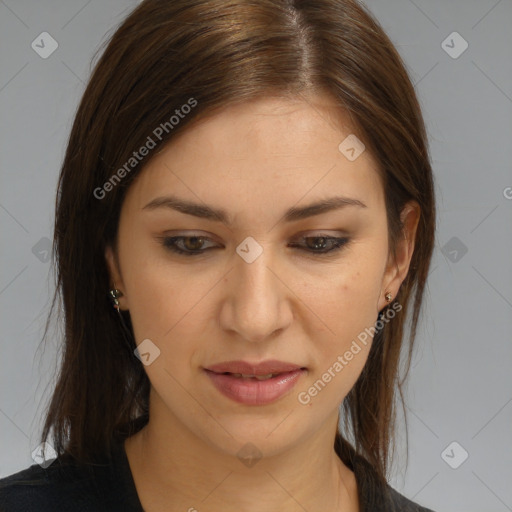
(64, 486)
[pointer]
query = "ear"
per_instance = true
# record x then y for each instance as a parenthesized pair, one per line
(115, 276)
(397, 268)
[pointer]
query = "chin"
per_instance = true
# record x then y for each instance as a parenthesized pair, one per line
(267, 437)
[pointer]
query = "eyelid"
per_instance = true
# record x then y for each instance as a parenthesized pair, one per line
(337, 244)
(328, 233)
(306, 233)
(211, 238)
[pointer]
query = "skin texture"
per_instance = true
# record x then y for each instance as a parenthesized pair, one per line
(255, 160)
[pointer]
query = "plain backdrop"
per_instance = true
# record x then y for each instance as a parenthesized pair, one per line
(459, 399)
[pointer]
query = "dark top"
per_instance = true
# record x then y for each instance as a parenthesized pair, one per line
(63, 487)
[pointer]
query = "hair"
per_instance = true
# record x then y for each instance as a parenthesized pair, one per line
(217, 53)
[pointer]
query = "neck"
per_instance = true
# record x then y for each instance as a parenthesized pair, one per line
(174, 470)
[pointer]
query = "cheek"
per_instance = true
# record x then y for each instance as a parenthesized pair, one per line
(167, 304)
(345, 297)
(162, 293)
(346, 305)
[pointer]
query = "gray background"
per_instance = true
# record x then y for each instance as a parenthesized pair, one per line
(460, 387)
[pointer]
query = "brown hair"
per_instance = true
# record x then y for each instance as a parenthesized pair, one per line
(216, 53)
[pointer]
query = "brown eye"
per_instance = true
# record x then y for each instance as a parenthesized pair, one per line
(187, 245)
(322, 244)
(193, 243)
(317, 243)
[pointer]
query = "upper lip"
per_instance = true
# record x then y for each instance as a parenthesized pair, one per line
(245, 368)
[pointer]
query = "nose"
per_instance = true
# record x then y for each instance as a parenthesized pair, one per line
(256, 305)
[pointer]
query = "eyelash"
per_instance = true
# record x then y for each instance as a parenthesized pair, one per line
(337, 244)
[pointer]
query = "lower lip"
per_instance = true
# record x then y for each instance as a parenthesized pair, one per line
(252, 391)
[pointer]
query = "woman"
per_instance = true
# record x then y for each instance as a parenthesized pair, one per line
(249, 183)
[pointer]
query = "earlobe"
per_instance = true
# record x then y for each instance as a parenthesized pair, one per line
(116, 282)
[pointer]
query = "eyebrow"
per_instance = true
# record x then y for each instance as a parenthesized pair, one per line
(218, 214)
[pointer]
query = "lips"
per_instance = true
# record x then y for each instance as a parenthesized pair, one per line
(265, 368)
(254, 384)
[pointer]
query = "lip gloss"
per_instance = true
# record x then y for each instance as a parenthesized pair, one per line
(251, 391)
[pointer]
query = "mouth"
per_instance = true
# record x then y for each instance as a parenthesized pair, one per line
(265, 369)
(256, 377)
(254, 384)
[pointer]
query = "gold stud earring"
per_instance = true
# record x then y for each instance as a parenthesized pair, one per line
(388, 296)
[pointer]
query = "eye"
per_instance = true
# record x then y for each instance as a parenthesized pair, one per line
(195, 245)
(192, 245)
(322, 244)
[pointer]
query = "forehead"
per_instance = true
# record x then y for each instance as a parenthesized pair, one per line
(261, 152)
(276, 126)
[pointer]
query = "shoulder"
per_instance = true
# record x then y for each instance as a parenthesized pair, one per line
(403, 504)
(68, 486)
(60, 486)
(376, 495)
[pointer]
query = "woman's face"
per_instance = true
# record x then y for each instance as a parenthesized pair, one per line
(263, 280)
